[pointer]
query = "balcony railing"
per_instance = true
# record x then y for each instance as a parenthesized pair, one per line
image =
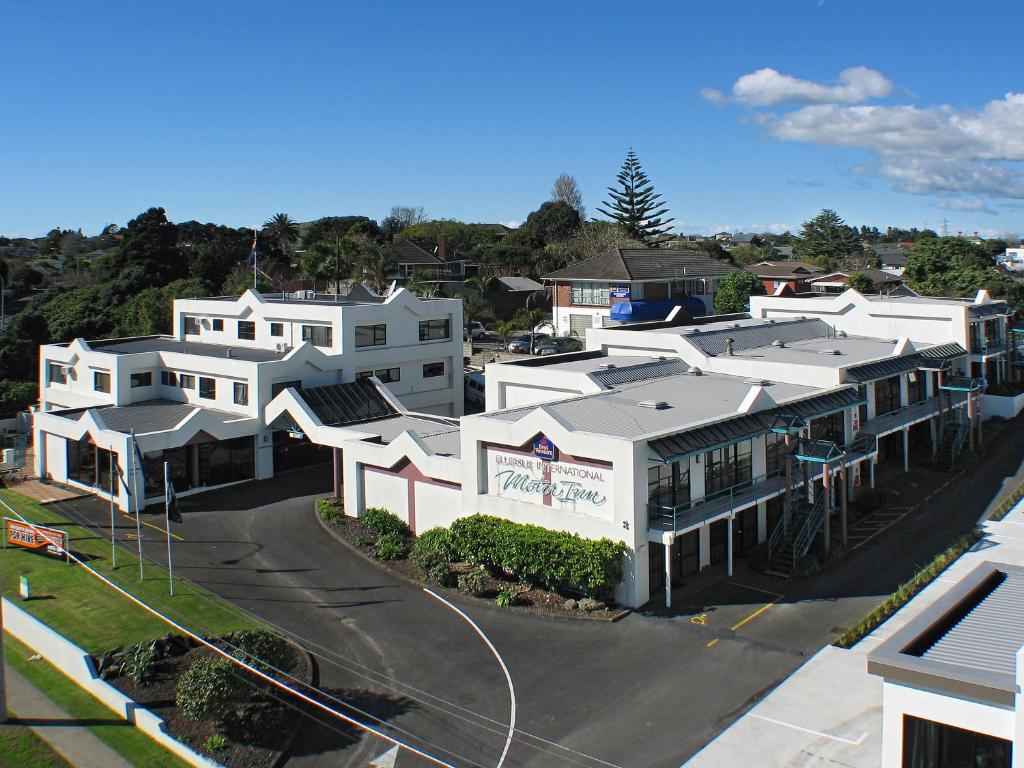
(911, 414)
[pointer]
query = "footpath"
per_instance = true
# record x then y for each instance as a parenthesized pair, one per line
(70, 738)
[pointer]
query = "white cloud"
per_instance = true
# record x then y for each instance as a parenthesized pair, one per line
(974, 205)
(512, 223)
(940, 150)
(767, 87)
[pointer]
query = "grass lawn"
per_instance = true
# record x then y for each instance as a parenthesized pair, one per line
(90, 613)
(121, 736)
(21, 748)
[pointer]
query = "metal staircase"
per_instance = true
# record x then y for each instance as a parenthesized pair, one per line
(793, 536)
(951, 443)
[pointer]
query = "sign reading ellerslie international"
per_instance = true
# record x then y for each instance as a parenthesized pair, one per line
(49, 541)
(582, 488)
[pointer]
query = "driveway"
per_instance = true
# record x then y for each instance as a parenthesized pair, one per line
(649, 690)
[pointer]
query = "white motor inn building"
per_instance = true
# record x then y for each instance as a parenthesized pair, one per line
(196, 398)
(682, 441)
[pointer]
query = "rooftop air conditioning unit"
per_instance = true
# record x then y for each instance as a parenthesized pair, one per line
(281, 346)
(658, 405)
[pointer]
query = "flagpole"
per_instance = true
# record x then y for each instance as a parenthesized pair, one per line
(138, 503)
(113, 486)
(255, 280)
(167, 523)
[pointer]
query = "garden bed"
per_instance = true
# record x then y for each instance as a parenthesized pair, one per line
(489, 587)
(255, 730)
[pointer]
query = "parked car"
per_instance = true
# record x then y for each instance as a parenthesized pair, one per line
(557, 346)
(521, 343)
(489, 337)
(474, 330)
(475, 388)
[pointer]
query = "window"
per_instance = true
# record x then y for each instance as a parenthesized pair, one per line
(320, 335)
(101, 381)
(668, 485)
(887, 396)
(241, 393)
(829, 427)
(247, 330)
(281, 386)
(58, 374)
(369, 335)
(386, 375)
(774, 453)
(277, 329)
(218, 325)
(207, 388)
(142, 379)
(190, 325)
(727, 467)
(430, 370)
(186, 381)
(431, 330)
(591, 293)
(927, 744)
(169, 378)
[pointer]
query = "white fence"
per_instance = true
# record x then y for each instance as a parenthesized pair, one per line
(77, 665)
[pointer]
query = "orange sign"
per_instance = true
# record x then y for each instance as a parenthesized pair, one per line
(50, 541)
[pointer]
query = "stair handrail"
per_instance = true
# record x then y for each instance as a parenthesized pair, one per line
(805, 536)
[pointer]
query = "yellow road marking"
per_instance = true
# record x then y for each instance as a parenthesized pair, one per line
(712, 643)
(154, 527)
(752, 616)
(700, 619)
(776, 595)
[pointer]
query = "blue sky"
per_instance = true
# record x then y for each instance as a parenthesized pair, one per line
(740, 111)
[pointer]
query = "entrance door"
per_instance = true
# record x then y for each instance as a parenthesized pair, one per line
(719, 541)
(744, 531)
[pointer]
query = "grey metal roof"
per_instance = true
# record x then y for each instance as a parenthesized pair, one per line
(990, 633)
(942, 352)
(440, 435)
(884, 368)
(644, 264)
(989, 309)
(153, 415)
(170, 344)
(338, 405)
(745, 337)
(628, 374)
(743, 427)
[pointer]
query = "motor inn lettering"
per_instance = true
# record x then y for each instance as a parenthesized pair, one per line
(561, 485)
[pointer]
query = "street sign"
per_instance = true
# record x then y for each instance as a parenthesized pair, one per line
(49, 541)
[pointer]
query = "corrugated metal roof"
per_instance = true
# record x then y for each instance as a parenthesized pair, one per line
(645, 371)
(338, 405)
(749, 425)
(942, 352)
(753, 336)
(988, 636)
(153, 415)
(989, 309)
(884, 368)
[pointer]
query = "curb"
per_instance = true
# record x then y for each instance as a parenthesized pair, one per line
(313, 672)
(618, 616)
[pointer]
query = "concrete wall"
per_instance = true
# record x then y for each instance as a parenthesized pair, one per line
(386, 491)
(1007, 407)
(76, 664)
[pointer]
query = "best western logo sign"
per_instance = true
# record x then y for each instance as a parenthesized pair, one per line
(556, 484)
(543, 448)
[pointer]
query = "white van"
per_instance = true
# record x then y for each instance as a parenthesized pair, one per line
(475, 388)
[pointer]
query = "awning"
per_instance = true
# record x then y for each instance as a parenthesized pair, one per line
(884, 368)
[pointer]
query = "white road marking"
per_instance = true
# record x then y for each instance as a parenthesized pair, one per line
(501, 662)
(385, 759)
(823, 735)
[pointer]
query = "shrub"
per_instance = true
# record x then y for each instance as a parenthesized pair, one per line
(138, 663)
(434, 547)
(552, 558)
(329, 510)
(215, 743)
(262, 649)
(208, 689)
(439, 573)
(506, 597)
(474, 580)
(382, 522)
(390, 546)
(362, 540)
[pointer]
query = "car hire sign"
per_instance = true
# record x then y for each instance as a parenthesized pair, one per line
(49, 541)
(581, 488)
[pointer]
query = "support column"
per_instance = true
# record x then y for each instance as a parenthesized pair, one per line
(667, 543)
(970, 418)
(906, 449)
(195, 465)
(728, 545)
(336, 458)
(843, 490)
(871, 473)
(826, 508)
(789, 476)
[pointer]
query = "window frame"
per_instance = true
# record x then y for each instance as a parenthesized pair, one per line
(428, 329)
(321, 333)
(240, 392)
(190, 325)
(96, 379)
(211, 392)
(386, 375)
(168, 378)
(378, 333)
(61, 378)
(250, 330)
(217, 324)
(187, 380)
(140, 379)
(431, 366)
(279, 328)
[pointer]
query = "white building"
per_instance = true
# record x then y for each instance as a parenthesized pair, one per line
(195, 399)
(689, 443)
(953, 677)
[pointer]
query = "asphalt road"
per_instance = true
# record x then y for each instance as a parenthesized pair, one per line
(649, 690)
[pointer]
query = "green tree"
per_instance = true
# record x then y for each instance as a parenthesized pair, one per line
(734, 292)
(283, 230)
(860, 283)
(377, 263)
(951, 266)
(400, 218)
(635, 206)
(151, 245)
(827, 237)
(552, 221)
(423, 285)
(239, 280)
(335, 228)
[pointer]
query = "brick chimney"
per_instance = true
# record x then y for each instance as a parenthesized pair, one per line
(442, 247)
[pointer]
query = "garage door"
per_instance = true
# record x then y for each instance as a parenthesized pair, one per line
(578, 325)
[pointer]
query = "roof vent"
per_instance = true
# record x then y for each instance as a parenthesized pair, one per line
(840, 334)
(779, 343)
(658, 357)
(758, 382)
(828, 351)
(696, 371)
(606, 365)
(735, 325)
(227, 353)
(658, 405)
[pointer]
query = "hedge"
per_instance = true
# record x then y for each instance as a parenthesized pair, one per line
(552, 558)
(383, 522)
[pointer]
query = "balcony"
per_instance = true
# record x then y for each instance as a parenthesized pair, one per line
(912, 414)
(693, 514)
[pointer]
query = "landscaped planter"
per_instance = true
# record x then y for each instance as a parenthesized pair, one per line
(1006, 406)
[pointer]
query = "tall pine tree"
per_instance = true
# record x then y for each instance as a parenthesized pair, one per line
(635, 206)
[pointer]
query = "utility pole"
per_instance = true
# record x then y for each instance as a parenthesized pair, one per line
(3, 667)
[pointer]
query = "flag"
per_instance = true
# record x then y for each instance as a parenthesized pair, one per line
(252, 253)
(138, 471)
(171, 500)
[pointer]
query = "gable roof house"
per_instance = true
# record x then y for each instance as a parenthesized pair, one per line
(630, 284)
(419, 256)
(794, 275)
